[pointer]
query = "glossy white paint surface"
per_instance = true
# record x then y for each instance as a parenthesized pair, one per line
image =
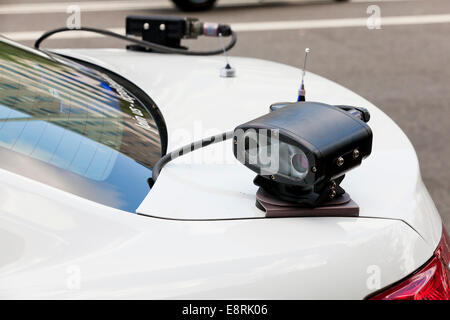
(57, 245)
(197, 103)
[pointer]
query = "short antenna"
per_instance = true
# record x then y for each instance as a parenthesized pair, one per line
(227, 71)
(301, 91)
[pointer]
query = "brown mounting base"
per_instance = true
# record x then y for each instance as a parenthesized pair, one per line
(342, 206)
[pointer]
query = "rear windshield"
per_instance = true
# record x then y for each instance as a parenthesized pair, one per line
(76, 128)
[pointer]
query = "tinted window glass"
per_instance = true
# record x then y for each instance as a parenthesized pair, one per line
(75, 128)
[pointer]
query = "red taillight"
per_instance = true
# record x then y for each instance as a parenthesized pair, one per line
(431, 282)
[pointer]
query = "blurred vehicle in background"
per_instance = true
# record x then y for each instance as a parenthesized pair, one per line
(194, 5)
(202, 5)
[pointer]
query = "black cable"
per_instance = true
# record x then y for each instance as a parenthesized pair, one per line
(186, 149)
(150, 45)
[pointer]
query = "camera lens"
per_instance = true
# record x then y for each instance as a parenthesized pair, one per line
(299, 162)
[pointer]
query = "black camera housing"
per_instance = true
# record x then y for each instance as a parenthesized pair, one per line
(167, 31)
(333, 139)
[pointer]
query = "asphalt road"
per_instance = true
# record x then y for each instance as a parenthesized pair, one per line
(402, 68)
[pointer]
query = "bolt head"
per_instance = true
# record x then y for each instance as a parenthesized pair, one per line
(332, 193)
(355, 153)
(227, 72)
(340, 161)
(314, 169)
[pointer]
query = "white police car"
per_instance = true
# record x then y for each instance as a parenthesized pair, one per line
(80, 132)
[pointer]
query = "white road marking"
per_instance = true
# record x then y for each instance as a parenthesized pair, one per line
(364, 1)
(91, 6)
(266, 26)
(339, 23)
(115, 5)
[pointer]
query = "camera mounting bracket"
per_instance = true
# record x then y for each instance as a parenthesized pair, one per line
(301, 196)
(341, 206)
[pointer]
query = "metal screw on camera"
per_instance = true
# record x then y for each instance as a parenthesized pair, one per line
(332, 193)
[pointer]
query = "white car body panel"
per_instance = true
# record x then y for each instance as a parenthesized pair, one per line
(57, 245)
(196, 102)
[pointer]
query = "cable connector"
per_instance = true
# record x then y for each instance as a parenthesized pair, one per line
(197, 28)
